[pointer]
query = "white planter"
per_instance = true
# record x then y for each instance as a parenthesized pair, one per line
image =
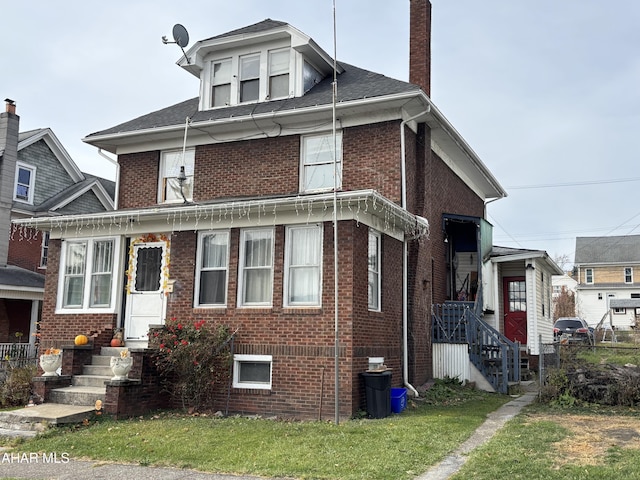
(50, 364)
(120, 366)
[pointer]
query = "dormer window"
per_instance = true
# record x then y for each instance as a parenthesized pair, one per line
(269, 60)
(249, 78)
(221, 83)
(279, 73)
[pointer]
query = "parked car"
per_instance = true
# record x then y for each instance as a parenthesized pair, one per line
(572, 330)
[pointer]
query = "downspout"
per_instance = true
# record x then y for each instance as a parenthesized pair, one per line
(405, 259)
(112, 161)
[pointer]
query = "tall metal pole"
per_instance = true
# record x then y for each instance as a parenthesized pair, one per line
(335, 229)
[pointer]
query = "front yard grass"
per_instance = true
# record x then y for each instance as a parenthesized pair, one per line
(593, 442)
(398, 447)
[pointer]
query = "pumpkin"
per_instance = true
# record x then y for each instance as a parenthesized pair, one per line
(116, 342)
(81, 340)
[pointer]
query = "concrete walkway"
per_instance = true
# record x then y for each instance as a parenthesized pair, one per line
(60, 467)
(496, 420)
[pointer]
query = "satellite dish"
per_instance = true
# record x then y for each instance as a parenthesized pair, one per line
(180, 35)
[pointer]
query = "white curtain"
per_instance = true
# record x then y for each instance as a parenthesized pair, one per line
(304, 265)
(257, 264)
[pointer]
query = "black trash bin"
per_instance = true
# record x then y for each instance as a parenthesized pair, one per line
(378, 393)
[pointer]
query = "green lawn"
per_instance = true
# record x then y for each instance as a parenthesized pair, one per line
(398, 447)
(555, 444)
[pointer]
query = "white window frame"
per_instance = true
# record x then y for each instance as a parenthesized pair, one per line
(243, 77)
(189, 163)
(88, 275)
(289, 266)
(200, 268)
(30, 186)
(306, 163)
(242, 268)
(629, 275)
(588, 276)
(374, 304)
(281, 73)
(238, 359)
(44, 250)
(221, 82)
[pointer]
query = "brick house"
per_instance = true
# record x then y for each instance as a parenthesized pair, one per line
(226, 213)
(37, 177)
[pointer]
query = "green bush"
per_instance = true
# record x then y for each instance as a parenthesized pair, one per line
(16, 388)
(193, 361)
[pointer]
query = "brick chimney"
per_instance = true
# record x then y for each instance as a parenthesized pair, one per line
(420, 44)
(9, 126)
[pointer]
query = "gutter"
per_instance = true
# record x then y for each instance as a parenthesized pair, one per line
(405, 259)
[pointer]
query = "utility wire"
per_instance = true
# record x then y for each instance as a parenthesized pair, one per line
(573, 184)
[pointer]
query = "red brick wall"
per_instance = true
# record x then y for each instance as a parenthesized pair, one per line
(138, 185)
(270, 166)
(25, 247)
(301, 340)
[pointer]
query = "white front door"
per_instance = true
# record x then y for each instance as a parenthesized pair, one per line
(146, 304)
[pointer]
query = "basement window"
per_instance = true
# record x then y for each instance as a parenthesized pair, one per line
(252, 371)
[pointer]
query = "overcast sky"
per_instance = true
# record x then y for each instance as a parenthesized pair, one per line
(547, 93)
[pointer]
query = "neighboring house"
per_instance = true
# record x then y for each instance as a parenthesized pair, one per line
(608, 274)
(228, 217)
(569, 284)
(37, 177)
(522, 306)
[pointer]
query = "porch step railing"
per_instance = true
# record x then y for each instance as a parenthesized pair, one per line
(493, 354)
(17, 354)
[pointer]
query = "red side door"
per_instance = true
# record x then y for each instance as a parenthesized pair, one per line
(515, 309)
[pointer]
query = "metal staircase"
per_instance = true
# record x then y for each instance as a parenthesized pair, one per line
(495, 356)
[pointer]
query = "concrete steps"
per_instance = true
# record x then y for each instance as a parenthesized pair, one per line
(66, 405)
(29, 421)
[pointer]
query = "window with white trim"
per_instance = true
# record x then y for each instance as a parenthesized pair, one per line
(212, 270)
(278, 74)
(374, 271)
(252, 371)
(628, 275)
(171, 163)
(221, 83)
(303, 266)
(249, 78)
(44, 250)
(25, 181)
(256, 267)
(87, 276)
(318, 159)
(588, 275)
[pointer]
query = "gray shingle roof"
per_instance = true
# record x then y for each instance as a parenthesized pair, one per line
(616, 249)
(353, 84)
(13, 276)
(262, 26)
